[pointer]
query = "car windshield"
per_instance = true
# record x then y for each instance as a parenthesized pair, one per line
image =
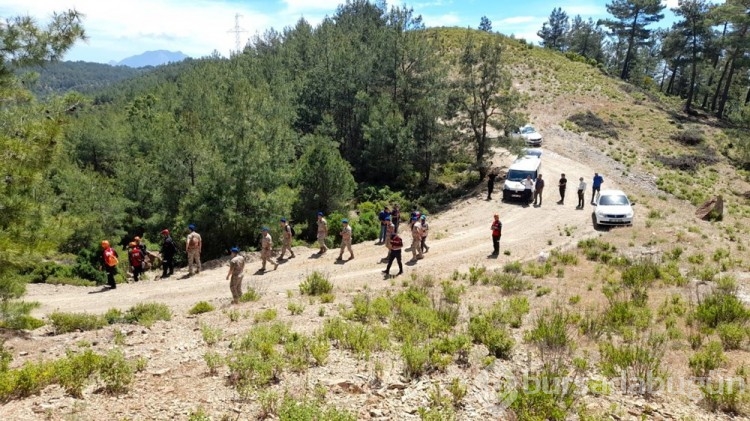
(614, 200)
(518, 175)
(527, 130)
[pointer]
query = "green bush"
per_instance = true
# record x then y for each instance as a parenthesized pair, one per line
(71, 322)
(266, 315)
(74, 372)
(147, 314)
(306, 410)
(638, 362)
(707, 359)
(201, 307)
(551, 332)
(721, 307)
(250, 295)
(16, 315)
(116, 372)
(316, 284)
(732, 335)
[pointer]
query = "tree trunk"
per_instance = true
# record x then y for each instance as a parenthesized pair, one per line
(719, 84)
(693, 72)
(631, 40)
(728, 84)
(670, 86)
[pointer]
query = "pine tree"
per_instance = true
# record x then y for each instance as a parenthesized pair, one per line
(629, 26)
(554, 30)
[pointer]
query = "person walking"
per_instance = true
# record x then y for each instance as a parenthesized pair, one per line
(528, 187)
(193, 247)
(490, 184)
(168, 251)
(236, 272)
(581, 191)
(109, 263)
(396, 245)
(136, 258)
(346, 239)
(596, 187)
(395, 219)
(286, 239)
(562, 185)
(322, 233)
(389, 233)
(384, 216)
(267, 249)
(538, 189)
(147, 258)
(416, 239)
(425, 230)
(497, 232)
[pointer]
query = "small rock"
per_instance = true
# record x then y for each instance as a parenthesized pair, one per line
(23, 353)
(376, 413)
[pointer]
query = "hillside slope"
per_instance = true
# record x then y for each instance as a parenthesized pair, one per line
(665, 231)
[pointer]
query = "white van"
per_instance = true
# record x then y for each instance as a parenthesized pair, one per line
(520, 168)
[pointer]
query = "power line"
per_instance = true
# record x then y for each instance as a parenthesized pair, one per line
(237, 30)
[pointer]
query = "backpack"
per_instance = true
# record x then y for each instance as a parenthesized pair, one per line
(193, 243)
(110, 259)
(291, 230)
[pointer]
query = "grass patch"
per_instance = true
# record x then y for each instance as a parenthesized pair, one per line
(71, 322)
(316, 284)
(201, 307)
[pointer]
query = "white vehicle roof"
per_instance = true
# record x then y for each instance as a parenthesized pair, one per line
(537, 152)
(526, 163)
(612, 192)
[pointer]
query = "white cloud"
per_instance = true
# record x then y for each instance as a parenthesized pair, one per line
(118, 29)
(516, 20)
(448, 19)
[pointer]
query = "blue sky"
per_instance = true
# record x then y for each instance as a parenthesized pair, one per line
(122, 28)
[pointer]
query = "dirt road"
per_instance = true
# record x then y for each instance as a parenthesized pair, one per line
(459, 239)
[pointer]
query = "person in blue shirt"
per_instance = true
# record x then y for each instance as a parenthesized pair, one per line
(385, 219)
(596, 186)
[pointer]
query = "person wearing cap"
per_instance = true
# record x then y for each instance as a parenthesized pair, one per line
(322, 233)
(497, 232)
(141, 245)
(416, 238)
(425, 230)
(346, 239)
(109, 263)
(267, 249)
(286, 239)
(236, 272)
(136, 257)
(168, 251)
(581, 192)
(396, 244)
(193, 247)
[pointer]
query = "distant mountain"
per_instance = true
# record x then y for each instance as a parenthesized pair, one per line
(152, 58)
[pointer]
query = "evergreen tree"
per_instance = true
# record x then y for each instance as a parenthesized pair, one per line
(485, 24)
(696, 30)
(629, 27)
(554, 30)
(486, 96)
(586, 38)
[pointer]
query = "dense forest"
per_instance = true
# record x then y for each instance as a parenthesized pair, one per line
(79, 76)
(369, 107)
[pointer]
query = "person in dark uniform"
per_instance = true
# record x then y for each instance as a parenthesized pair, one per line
(562, 185)
(490, 184)
(168, 251)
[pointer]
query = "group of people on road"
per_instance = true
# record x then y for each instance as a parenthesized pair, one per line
(537, 187)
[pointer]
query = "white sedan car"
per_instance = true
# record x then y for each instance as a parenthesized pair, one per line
(613, 208)
(529, 134)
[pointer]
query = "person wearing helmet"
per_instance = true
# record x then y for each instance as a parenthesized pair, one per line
(109, 263)
(193, 247)
(236, 272)
(136, 257)
(168, 251)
